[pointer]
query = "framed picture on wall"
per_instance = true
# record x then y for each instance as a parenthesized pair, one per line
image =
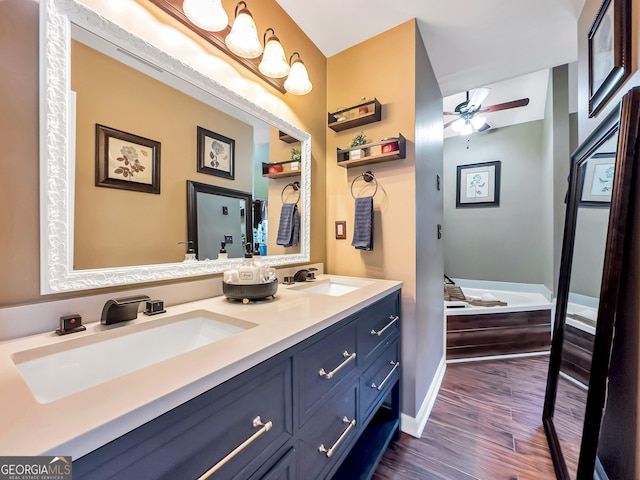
(478, 185)
(597, 180)
(126, 161)
(609, 51)
(216, 154)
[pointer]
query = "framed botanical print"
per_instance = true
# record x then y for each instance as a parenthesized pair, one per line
(597, 180)
(478, 185)
(216, 154)
(126, 161)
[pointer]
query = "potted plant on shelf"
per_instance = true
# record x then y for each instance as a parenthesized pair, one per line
(360, 139)
(296, 154)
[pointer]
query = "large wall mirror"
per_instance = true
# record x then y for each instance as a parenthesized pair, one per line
(592, 257)
(97, 77)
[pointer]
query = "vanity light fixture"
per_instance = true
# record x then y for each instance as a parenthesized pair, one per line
(243, 38)
(274, 62)
(206, 14)
(298, 83)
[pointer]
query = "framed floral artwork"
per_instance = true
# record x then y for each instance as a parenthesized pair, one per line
(478, 185)
(126, 161)
(216, 154)
(597, 180)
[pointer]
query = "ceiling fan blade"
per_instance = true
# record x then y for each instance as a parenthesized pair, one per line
(448, 124)
(505, 106)
(484, 127)
(479, 96)
(450, 113)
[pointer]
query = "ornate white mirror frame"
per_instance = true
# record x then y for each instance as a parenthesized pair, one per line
(57, 155)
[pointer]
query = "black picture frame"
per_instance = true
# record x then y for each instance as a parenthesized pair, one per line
(482, 180)
(126, 161)
(625, 119)
(216, 154)
(596, 180)
(609, 52)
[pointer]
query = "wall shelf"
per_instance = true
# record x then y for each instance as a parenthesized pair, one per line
(286, 169)
(351, 117)
(343, 154)
(285, 137)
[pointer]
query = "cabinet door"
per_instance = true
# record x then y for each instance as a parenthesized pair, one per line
(284, 469)
(376, 325)
(328, 436)
(236, 426)
(322, 367)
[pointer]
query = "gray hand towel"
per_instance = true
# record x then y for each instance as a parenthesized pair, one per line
(363, 224)
(289, 228)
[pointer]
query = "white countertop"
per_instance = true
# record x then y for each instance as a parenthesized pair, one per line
(81, 422)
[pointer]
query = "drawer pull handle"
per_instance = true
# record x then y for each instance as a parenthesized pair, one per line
(330, 452)
(257, 422)
(395, 366)
(393, 318)
(330, 374)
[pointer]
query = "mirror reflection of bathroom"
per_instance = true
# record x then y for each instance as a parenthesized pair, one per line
(596, 175)
(118, 90)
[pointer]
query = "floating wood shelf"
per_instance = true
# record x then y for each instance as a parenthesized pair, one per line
(286, 172)
(285, 137)
(343, 154)
(349, 118)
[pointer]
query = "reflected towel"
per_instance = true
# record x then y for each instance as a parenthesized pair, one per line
(289, 229)
(363, 224)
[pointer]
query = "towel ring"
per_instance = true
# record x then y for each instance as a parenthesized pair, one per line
(367, 177)
(296, 188)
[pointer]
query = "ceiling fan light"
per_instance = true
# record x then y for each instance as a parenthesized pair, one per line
(478, 122)
(274, 63)
(467, 128)
(457, 125)
(298, 83)
(243, 37)
(206, 14)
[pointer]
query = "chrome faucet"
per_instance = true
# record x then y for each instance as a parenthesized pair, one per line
(305, 274)
(118, 310)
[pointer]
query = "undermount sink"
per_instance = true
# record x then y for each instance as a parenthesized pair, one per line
(334, 288)
(56, 371)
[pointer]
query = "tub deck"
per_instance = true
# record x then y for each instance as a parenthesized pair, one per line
(522, 326)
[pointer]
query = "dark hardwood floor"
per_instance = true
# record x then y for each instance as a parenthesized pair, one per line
(486, 424)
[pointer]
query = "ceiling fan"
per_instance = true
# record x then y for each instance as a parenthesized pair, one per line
(468, 122)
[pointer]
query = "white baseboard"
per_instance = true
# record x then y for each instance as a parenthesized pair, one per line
(507, 356)
(414, 426)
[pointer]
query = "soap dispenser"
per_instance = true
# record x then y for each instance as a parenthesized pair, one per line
(248, 273)
(190, 255)
(222, 254)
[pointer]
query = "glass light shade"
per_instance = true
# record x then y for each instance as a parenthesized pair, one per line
(243, 38)
(457, 125)
(478, 122)
(274, 63)
(467, 128)
(298, 83)
(206, 14)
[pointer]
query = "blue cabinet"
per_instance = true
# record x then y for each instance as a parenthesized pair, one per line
(325, 408)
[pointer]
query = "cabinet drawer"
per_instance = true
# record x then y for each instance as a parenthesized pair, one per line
(376, 325)
(379, 377)
(284, 469)
(322, 367)
(206, 431)
(328, 436)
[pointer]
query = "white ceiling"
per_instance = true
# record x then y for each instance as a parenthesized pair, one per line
(508, 45)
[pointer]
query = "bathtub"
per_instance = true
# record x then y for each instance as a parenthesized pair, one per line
(522, 327)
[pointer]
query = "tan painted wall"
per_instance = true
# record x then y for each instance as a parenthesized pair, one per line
(382, 67)
(115, 227)
(19, 207)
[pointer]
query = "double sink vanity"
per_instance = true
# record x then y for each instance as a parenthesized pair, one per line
(302, 386)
